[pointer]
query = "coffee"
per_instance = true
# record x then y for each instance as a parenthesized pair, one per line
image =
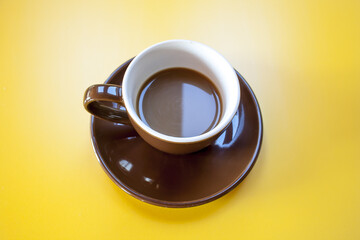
(179, 102)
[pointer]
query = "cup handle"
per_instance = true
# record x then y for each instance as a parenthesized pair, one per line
(105, 101)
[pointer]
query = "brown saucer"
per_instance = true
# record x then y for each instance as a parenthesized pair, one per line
(180, 180)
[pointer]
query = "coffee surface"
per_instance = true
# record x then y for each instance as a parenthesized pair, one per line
(179, 102)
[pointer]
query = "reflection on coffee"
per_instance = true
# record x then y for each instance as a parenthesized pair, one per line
(179, 102)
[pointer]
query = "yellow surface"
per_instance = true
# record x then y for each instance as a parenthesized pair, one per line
(302, 59)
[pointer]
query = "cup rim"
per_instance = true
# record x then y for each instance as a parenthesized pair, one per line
(180, 140)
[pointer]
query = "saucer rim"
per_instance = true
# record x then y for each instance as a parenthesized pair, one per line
(181, 204)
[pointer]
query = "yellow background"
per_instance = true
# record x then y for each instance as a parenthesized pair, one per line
(302, 59)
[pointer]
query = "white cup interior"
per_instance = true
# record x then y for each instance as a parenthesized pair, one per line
(185, 54)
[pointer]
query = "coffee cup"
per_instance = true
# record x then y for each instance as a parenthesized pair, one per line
(204, 98)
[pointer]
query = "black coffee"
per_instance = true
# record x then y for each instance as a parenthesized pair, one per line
(179, 102)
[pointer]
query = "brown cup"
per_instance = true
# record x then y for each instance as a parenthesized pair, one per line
(118, 103)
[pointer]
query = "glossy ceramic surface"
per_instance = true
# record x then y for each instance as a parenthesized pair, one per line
(185, 180)
(164, 55)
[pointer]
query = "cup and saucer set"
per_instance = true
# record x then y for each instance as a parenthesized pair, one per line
(162, 168)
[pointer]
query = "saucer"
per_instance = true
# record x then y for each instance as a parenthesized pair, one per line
(188, 180)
